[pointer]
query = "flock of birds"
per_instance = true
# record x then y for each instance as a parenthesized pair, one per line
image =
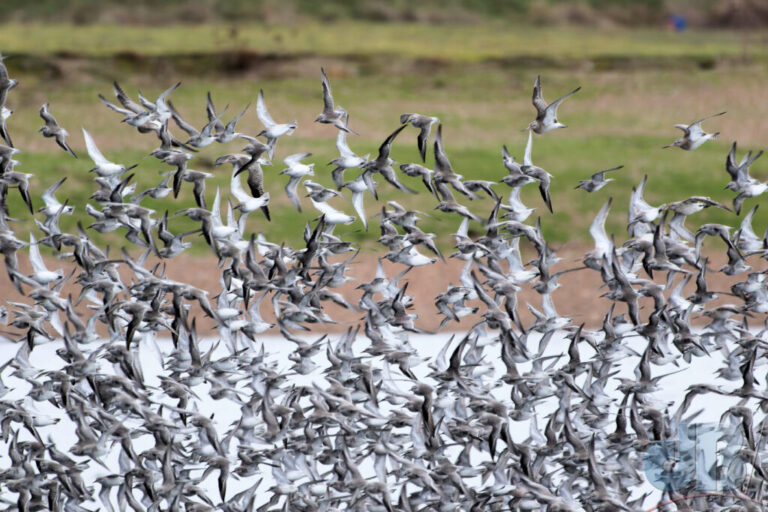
(501, 419)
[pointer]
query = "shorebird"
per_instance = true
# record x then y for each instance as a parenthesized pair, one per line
(424, 124)
(332, 114)
(245, 203)
(255, 177)
(52, 129)
(158, 110)
(419, 171)
(331, 215)
(597, 181)
(686, 207)
(358, 188)
(444, 174)
(272, 131)
(546, 115)
(228, 133)
(40, 273)
(19, 180)
(741, 182)
(536, 173)
(640, 212)
(296, 170)
(347, 158)
(693, 135)
(103, 167)
(138, 115)
(515, 209)
(53, 206)
(382, 164)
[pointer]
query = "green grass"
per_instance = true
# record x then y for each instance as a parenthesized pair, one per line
(619, 117)
(568, 159)
(460, 42)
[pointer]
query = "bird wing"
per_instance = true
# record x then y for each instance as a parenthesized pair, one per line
(710, 117)
(212, 125)
(231, 221)
(527, 157)
(48, 197)
(341, 145)
(4, 132)
(422, 140)
(327, 98)
(442, 164)
(385, 147)
(695, 131)
(5, 83)
(210, 111)
(148, 105)
(357, 203)
(256, 181)
(548, 306)
(514, 258)
(262, 113)
(600, 175)
(603, 244)
(191, 130)
(552, 108)
(746, 163)
(538, 100)
(290, 191)
(160, 101)
(231, 125)
(50, 121)
(93, 151)
(746, 225)
(114, 107)
(505, 156)
(34, 256)
(686, 129)
(325, 208)
(292, 160)
(216, 210)
(126, 101)
(237, 189)
(730, 163)
(637, 202)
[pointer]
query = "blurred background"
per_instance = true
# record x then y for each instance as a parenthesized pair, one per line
(644, 65)
(702, 13)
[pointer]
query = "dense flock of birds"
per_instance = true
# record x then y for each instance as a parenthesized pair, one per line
(501, 419)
